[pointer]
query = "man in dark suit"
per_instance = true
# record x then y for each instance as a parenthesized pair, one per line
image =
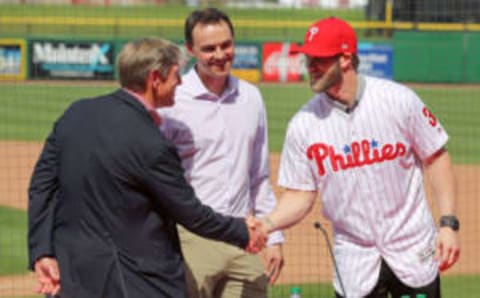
(108, 189)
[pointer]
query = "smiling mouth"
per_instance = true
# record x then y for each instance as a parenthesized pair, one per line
(220, 66)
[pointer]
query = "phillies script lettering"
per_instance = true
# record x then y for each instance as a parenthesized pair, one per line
(358, 154)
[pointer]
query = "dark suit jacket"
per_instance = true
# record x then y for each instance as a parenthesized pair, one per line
(104, 199)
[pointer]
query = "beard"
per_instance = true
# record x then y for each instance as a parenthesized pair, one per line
(330, 78)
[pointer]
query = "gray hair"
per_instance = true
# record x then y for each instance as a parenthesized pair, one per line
(141, 56)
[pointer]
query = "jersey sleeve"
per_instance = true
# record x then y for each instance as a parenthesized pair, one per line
(427, 134)
(294, 170)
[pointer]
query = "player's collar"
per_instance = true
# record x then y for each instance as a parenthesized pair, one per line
(343, 107)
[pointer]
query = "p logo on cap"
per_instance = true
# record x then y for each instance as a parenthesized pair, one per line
(328, 37)
(312, 31)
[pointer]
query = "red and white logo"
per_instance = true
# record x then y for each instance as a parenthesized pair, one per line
(311, 33)
(357, 154)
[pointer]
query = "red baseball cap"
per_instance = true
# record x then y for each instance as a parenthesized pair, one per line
(328, 37)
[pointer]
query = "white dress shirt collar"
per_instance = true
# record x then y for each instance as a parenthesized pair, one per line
(192, 81)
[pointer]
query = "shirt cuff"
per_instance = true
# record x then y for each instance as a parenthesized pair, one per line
(275, 238)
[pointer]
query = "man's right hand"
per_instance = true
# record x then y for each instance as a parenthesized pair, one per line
(256, 235)
(48, 276)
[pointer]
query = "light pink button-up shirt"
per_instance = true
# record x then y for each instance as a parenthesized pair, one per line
(223, 144)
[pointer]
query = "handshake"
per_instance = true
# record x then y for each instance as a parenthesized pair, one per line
(258, 230)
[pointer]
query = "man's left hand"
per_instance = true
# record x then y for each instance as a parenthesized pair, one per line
(273, 259)
(448, 248)
(48, 276)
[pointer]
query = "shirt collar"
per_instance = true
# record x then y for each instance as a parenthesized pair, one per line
(148, 106)
(193, 82)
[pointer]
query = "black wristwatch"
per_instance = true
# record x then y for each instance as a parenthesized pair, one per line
(450, 221)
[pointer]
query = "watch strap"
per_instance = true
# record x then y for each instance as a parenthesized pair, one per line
(450, 221)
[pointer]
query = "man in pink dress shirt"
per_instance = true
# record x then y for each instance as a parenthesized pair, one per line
(218, 124)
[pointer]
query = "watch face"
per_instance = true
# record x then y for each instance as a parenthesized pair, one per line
(450, 221)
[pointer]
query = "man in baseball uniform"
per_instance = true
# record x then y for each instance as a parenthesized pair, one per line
(218, 124)
(363, 144)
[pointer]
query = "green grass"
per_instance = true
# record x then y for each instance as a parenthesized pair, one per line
(172, 12)
(281, 17)
(13, 241)
(282, 102)
(320, 290)
(28, 111)
(459, 286)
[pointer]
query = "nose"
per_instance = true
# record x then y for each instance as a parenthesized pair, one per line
(219, 53)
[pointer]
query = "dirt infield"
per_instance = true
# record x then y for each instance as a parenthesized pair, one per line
(17, 285)
(306, 255)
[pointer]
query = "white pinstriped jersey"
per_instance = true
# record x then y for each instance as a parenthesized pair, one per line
(367, 166)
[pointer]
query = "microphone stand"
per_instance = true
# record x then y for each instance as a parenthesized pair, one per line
(319, 226)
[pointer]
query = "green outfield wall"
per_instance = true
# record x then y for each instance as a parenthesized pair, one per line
(430, 57)
(440, 57)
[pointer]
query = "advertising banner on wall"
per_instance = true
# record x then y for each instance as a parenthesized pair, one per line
(246, 64)
(12, 59)
(375, 60)
(69, 59)
(278, 65)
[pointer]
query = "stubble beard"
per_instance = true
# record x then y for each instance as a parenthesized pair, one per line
(330, 78)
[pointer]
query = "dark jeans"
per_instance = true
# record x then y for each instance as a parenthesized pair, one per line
(389, 283)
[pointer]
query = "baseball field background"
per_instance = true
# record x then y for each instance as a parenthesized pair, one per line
(28, 109)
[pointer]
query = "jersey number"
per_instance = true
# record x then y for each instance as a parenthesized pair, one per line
(432, 120)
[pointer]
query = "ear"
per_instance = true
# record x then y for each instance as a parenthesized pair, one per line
(154, 78)
(158, 76)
